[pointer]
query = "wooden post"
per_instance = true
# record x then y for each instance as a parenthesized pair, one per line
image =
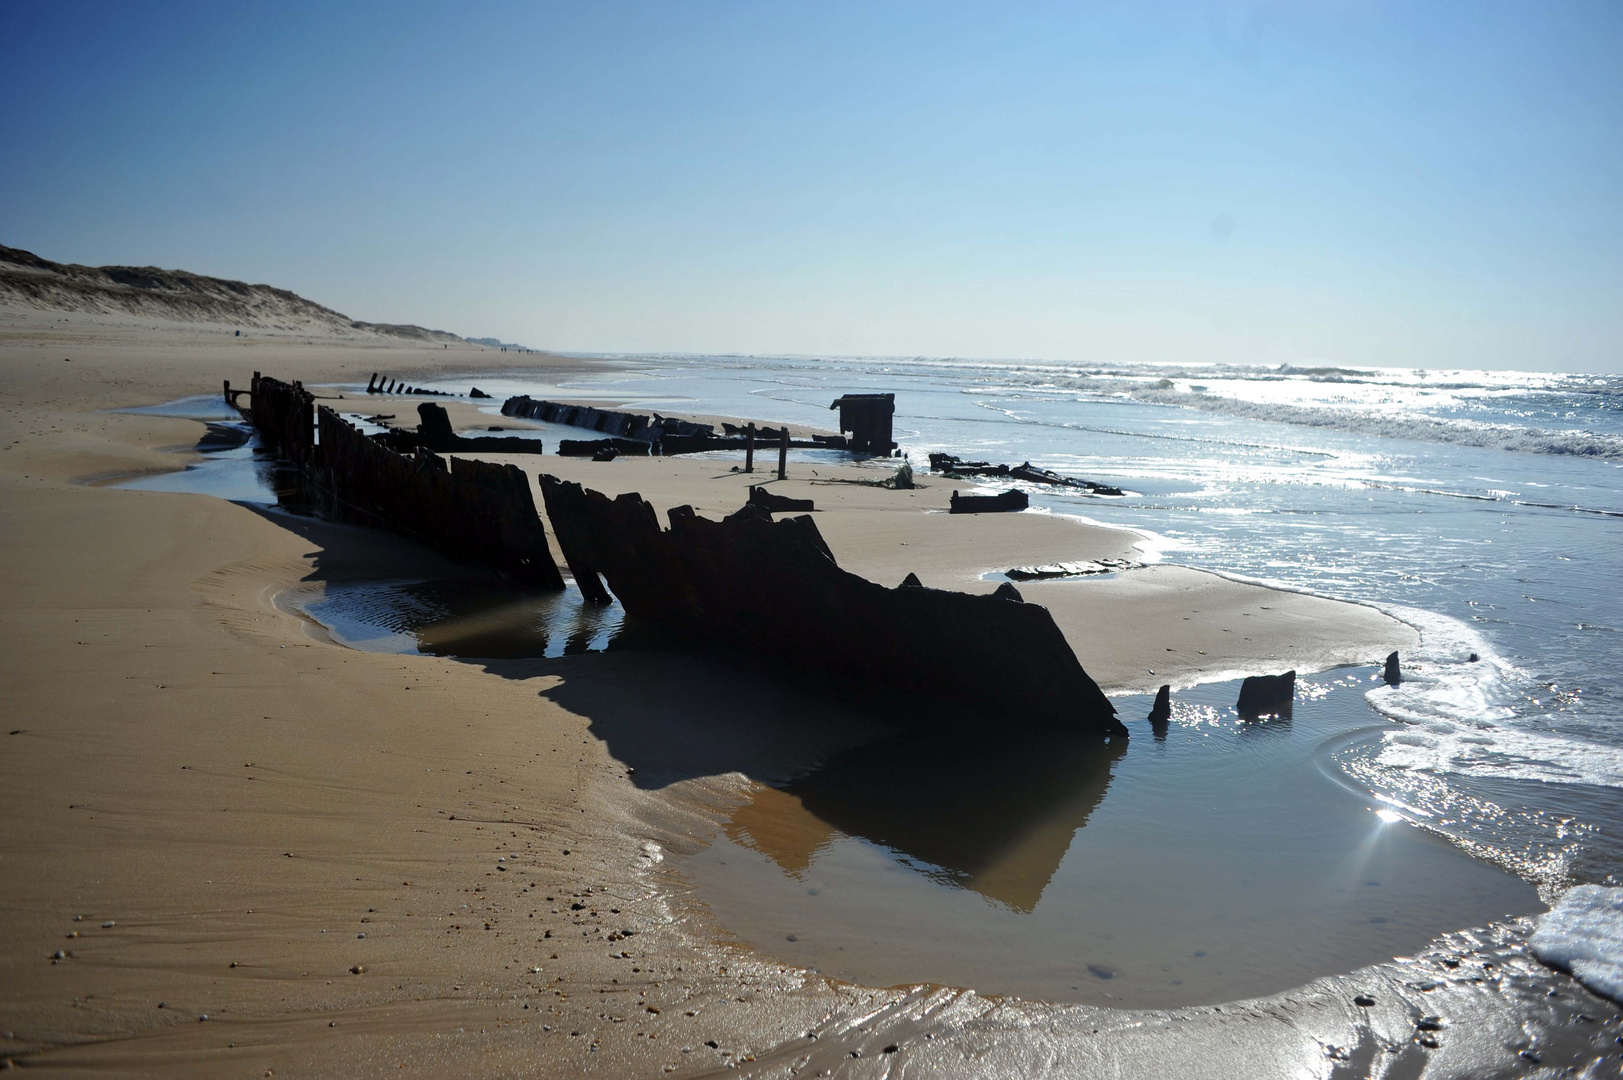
(783, 454)
(749, 447)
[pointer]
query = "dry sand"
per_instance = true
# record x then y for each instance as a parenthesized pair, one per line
(205, 806)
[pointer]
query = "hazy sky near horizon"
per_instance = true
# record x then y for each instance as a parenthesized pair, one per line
(1413, 184)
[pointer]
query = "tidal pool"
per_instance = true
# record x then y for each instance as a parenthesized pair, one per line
(470, 617)
(1219, 860)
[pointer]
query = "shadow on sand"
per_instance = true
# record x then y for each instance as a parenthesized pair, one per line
(971, 799)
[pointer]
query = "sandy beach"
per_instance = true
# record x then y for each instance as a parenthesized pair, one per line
(232, 847)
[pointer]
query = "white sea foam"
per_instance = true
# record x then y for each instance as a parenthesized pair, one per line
(1151, 546)
(1583, 934)
(1486, 749)
(1461, 716)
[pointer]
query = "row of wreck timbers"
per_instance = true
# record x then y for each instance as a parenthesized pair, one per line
(759, 585)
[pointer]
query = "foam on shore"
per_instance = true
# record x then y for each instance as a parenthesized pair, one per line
(1461, 717)
(1583, 934)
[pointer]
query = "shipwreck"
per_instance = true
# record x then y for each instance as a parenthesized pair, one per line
(770, 587)
(773, 588)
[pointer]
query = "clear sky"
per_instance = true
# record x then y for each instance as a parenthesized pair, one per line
(1425, 184)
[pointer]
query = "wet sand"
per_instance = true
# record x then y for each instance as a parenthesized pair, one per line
(242, 801)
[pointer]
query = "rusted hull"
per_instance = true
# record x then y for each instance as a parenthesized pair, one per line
(632, 433)
(775, 589)
(284, 414)
(473, 511)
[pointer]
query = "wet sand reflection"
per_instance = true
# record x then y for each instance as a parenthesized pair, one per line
(466, 618)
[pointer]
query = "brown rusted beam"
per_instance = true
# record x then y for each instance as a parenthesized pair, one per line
(575, 539)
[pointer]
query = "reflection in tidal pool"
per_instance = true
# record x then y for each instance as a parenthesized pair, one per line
(1229, 860)
(470, 617)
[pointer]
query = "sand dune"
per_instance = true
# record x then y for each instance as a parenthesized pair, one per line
(26, 280)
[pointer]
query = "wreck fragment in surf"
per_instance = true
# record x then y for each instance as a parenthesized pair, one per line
(1263, 696)
(774, 588)
(956, 467)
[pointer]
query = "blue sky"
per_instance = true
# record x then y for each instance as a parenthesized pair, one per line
(1432, 185)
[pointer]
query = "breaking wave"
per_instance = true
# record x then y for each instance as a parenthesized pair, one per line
(1407, 426)
(1472, 718)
